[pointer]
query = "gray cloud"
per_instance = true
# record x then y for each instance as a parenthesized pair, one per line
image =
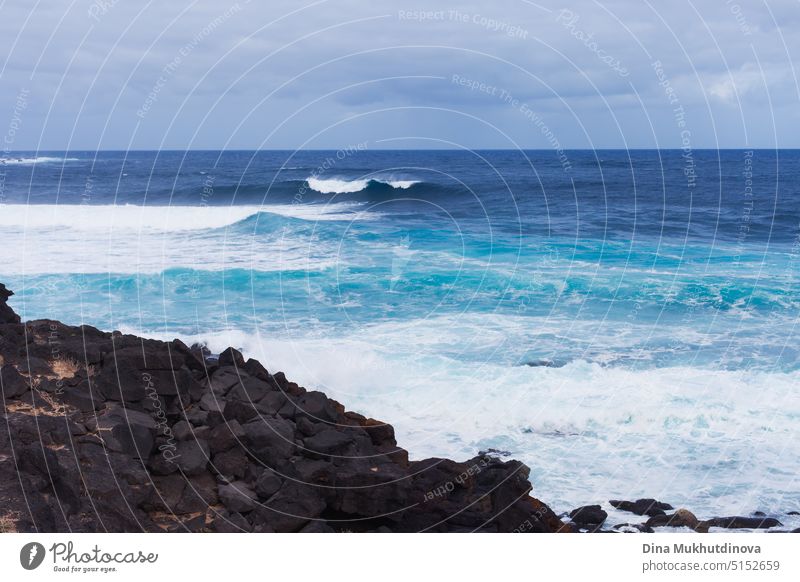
(251, 74)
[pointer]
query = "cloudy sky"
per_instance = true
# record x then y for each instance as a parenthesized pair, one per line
(119, 74)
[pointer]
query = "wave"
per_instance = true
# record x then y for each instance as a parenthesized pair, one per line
(110, 218)
(35, 160)
(122, 217)
(342, 186)
(589, 430)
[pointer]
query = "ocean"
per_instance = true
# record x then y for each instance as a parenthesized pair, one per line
(624, 322)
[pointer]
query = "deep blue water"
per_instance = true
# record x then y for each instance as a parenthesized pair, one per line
(663, 195)
(417, 285)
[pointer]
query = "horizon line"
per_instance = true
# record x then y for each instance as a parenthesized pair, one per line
(334, 149)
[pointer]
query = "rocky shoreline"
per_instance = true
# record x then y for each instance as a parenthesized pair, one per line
(106, 432)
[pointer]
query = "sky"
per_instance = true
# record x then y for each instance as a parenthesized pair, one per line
(123, 74)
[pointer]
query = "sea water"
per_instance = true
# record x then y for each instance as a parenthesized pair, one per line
(624, 322)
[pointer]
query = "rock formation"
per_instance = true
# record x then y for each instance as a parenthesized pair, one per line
(112, 432)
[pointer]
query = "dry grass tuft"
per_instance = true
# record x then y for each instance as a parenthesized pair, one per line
(65, 368)
(8, 523)
(54, 408)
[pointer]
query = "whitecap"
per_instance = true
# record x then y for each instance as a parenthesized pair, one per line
(342, 186)
(35, 160)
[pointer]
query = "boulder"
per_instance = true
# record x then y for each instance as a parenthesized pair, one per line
(681, 518)
(649, 507)
(231, 357)
(327, 442)
(149, 356)
(239, 411)
(125, 431)
(166, 494)
(270, 437)
(32, 366)
(122, 382)
(7, 314)
(316, 406)
(182, 430)
(290, 509)
(256, 370)
(199, 493)
(223, 379)
(268, 484)
(12, 382)
(84, 396)
(588, 516)
(231, 523)
(382, 434)
(192, 456)
(249, 389)
(231, 463)
(226, 435)
(238, 497)
(210, 402)
(739, 522)
(193, 358)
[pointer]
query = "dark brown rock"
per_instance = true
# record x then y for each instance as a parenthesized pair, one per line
(274, 435)
(231, 463)
(588, 516)
(268, 484)
(649, 507)
(231, 357)
(7, 314)
(328, 442)
(739, 522)
(193, 456)
(12, 382)
(143, 435)
(200, 492)
(238, 497)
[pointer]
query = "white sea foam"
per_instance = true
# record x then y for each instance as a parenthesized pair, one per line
(342, 186)
(36, 160)
(111, 218)
(401, 184)
(61, 239)
(717, 442)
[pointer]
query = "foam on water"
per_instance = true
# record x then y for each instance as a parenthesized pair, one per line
(63, 239)
(344, 186)
(26, 161)
(121, 218)
(129, 217)
(712, 440)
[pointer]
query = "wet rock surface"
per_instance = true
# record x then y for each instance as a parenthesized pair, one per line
(589, 517)
(649, 507)
(112, 432)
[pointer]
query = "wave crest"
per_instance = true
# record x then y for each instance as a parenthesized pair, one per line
(35, 160)
(342, 186)
(110, 218)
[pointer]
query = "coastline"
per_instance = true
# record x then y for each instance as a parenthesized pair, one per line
(113, 432)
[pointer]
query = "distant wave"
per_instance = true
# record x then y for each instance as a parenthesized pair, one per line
(164, 218)
(342, 186)
(36, 160)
